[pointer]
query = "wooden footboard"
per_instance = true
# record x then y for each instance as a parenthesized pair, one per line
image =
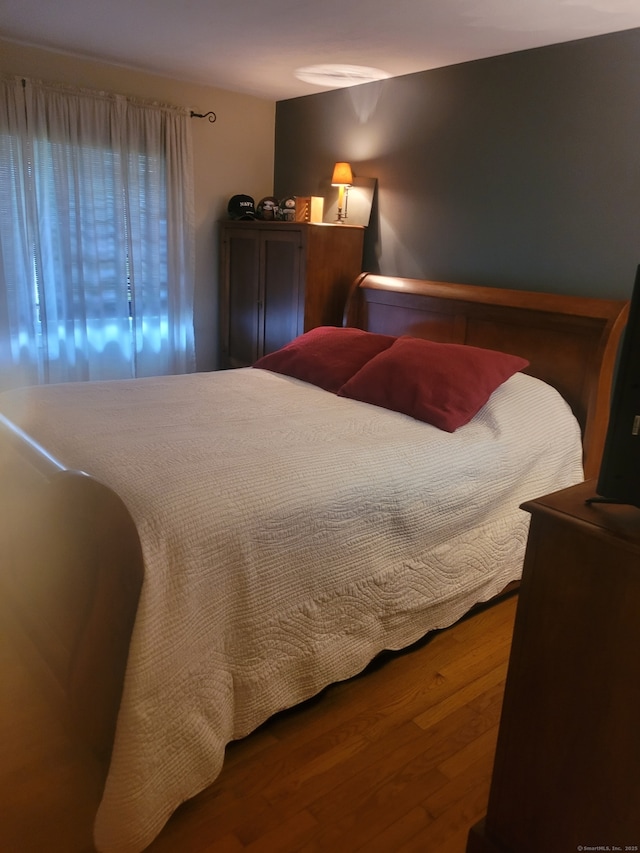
(71, 574)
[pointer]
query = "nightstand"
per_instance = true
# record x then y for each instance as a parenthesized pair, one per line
(567, 765)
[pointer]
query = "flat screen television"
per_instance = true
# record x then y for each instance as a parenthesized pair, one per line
(619, 476)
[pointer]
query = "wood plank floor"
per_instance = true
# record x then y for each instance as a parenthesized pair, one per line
(396, 760)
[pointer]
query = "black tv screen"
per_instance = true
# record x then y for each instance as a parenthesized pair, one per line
(619, 477)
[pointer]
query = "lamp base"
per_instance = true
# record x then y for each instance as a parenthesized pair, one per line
(343, 201)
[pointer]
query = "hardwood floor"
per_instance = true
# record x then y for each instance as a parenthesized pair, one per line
(396, 760)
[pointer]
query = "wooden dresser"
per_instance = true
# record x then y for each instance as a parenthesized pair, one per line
(280, 279)
(567, 766)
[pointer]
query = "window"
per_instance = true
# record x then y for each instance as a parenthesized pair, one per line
(96, 237)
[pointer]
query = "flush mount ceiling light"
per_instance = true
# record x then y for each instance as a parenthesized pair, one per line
(338, 76)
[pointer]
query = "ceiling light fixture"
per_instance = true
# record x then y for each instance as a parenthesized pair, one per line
(340, 76)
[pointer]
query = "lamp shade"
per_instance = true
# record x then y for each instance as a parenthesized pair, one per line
(342, 175)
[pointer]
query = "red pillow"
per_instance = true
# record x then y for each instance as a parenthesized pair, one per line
(327, 356)
(442, 384)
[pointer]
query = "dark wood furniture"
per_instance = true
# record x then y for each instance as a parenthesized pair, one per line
(567, 766)
(280, 279)
(89, 553)
(571, 342)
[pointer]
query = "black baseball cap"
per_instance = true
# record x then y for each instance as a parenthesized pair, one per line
(241, 207)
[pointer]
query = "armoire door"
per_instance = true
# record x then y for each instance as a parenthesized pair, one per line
(282, 279)
(243, 298)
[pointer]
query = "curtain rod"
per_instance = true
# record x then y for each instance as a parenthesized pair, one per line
(210, 115)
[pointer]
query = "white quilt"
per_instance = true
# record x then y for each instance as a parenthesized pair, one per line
(288, 536)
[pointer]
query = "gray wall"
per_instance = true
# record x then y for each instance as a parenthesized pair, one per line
(518, 171)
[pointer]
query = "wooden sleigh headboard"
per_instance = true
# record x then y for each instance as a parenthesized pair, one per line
(571, 342)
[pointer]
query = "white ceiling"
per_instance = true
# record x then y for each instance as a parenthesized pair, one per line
(254, 46)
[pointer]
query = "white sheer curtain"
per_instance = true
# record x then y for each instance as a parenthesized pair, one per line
(96, 236)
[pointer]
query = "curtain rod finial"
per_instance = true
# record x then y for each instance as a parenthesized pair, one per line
(210, 115)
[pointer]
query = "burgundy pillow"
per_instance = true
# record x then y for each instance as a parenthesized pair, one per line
(327, 356)
(442, 384)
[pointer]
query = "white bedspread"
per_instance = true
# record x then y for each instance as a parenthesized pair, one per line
(288, 536)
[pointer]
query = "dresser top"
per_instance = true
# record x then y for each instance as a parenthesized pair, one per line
(619, 520)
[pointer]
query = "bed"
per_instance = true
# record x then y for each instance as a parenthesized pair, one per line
(334, 528)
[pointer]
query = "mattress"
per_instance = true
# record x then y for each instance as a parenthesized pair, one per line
(288, 535)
